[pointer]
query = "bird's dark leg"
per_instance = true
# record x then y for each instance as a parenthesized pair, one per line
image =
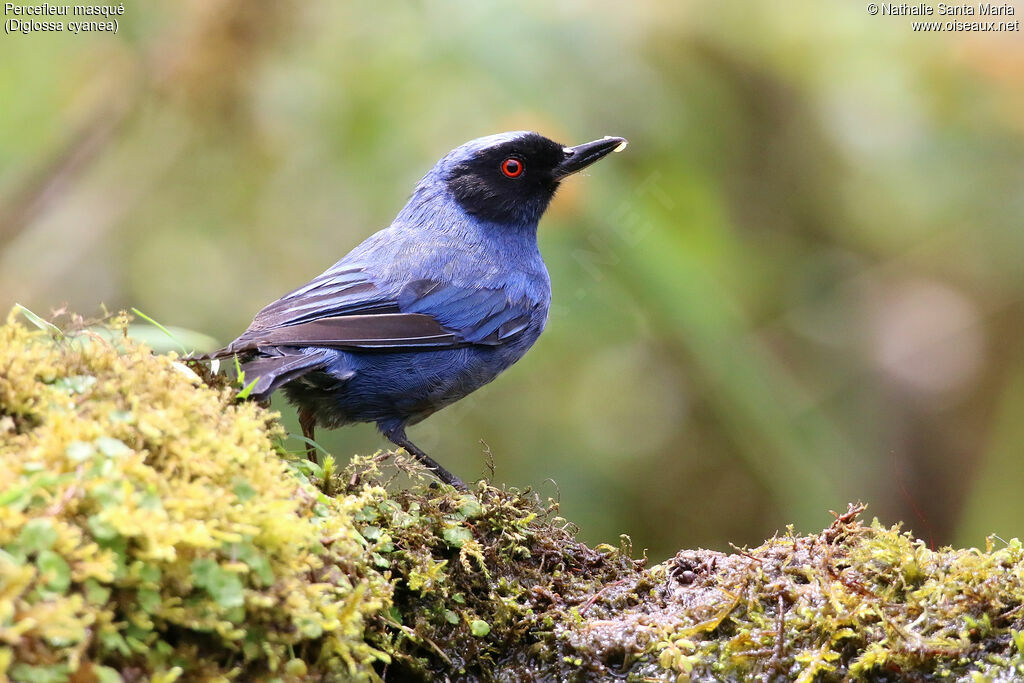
(307, 421)
(397, 436)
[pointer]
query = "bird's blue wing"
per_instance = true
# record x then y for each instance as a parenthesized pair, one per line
(339, 291)
(478, 315)
(344, 308)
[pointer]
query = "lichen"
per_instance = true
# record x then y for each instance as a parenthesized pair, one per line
(153, 526)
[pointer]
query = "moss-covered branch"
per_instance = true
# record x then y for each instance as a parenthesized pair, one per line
(152, 527)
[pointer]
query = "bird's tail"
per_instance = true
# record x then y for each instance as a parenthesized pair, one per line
(272, 372)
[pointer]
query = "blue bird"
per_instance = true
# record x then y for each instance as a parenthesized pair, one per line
(429, 309)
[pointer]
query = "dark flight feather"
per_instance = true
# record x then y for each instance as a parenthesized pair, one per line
(344, 309)
(272, 372)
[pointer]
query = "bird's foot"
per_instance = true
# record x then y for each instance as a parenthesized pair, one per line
(398, 437)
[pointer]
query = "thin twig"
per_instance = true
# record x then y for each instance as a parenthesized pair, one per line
(419, 636)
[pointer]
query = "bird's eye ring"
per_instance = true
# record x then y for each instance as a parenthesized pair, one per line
(512, 167)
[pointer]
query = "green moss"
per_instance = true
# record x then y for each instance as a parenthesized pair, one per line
(147, 522)
(853, 602)
(481, 580)
(154, 526)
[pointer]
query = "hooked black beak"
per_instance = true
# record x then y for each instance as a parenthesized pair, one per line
(579, 157)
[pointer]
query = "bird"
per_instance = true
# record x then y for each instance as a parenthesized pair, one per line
(427, 310)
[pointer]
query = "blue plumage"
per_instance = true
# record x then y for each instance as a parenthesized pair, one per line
(429, 309)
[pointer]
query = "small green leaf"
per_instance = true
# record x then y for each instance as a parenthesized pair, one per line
(38, 534)
(55, 571)
(101, 529)
(149, 600)
(150, 573)
(257, 562)
(39, 322)
(247, 389)
(470, 507)
(457, 536)
(95, 592)
(204, 569)
(223, 586)
(236, 615)
(479, 628)
(119, 547)
(114, 642)
(306, 468)
(14, 495)
(402, 519)
(451, 617)
(243, 490)
(137, 645)
(58, 673)
(104, 674)
(107, 493)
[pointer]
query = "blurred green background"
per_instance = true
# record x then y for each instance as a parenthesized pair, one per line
(801, 285)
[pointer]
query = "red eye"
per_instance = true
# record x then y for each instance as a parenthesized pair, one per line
(513, 168)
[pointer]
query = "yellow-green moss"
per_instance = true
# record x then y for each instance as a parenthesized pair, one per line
(148, 523)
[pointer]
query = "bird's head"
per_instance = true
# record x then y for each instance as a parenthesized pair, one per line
(510, 178)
